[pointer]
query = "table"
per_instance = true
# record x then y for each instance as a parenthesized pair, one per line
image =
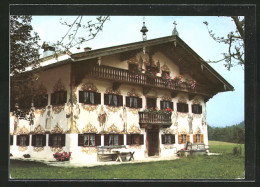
(121, 152)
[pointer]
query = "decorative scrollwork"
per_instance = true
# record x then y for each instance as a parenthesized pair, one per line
(38, 149)
(183, 115)
(59, 86)
(23, 130)
(111, 91)
(89, 128)
(89, 108)
(41, 90)
(22, 148)
(56, 149)
(57, 130)
(89, 87)
(133, 110)
(197, 115)
(89, 150)
(133, 93)
(168, 131)
(58, 109)
(39, 130)
(134, 130)
(166, 98)
(196, 101)
(182, 100)
(113, 108)
(40, 111)
(113, 129)
(168, 147)
(135, 146)
(165, 68)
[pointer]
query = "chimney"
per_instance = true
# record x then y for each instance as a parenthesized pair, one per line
(87, 49)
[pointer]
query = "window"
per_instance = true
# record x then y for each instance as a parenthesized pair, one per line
(151, 102)
(168, 139)
(196, 109)
(59, 98)
(114, 139)
(133, 102)
(38, 140)
(22, 140)
(89, 140)
(88, 97)
(40, 101)
(166, 104)
(135, 139)
(182, 107)
(113, 100)
(57, 140)
(11, 139)
(183, 138)
(198, 138)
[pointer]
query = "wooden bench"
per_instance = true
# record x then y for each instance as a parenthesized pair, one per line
(105, 152)
(193, 149)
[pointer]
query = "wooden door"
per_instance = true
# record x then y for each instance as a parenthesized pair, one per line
(153, 142)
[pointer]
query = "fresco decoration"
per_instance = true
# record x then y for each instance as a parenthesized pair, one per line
(145, 58)
(58, 109)
(56, 149)
(135, 146)
(41, 90)
(89, 150)
(39, 130)
(40, 111)
(134, 130)
(132, 60)
(182, 115)
(167, 147)
(38, 149)
(22, 148)
(196, 102)
(57, 130)
(89, 108)
(182, 100)
(111, 91)
(133, 93)
(113, 129)
(165, 68)
(133, 110)
(89, 128)
(183, 130)
(102, 118)
(168, 131)
(23, 130)
(113, 108)
(197, 115)
(89, 87)
(59, 86)
(166, 98)
(198, 130)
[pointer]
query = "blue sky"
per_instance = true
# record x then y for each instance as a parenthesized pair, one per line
(223, 109)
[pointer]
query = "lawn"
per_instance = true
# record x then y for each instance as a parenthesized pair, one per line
(225, 166)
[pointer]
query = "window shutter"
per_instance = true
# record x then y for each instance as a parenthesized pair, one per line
(179, 108)
(172, 138)
(161, 105)
(139, 103)
(120, 139)
(80, 139)
(18, 140)
(27, 140)
(97, 98)
(64, 97)
(11, 139)
(120, 100)
(192, 109)
(81, 96)
(186, 108)
(179, 139)
(106, 139)
(128, 139)
(127, 102)
(200, 109)
(63, 139)
(44, 140)
(50, 143)
(141, 139)
(53, 98)
(194, 138)
(105, 99)
(188, 138)
(98, 139)
(163, 138)
(201, 138)
(33, 140)
(171, 105)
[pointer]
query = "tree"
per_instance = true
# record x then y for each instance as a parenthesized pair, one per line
(235, 41)
(23, 53)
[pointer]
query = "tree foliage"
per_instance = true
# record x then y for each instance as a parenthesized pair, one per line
(234, 40)
(234, 133)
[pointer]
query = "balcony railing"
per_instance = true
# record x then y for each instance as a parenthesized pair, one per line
(151, 118)
(122, 75)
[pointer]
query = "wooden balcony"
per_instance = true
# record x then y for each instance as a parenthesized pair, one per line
(125, 76)
(147, 118)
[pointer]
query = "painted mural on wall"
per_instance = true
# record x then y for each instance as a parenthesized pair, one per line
(102, 118)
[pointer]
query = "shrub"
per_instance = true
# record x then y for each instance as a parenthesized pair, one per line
(62, 156)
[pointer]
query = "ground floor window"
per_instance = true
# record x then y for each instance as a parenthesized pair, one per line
(114, 139)
(38, 140)
(57, 140)
(183, 138)
(22, 140)
(11, 139)
(198, 138)
(168, 139)
(89, 139)
(135, 139)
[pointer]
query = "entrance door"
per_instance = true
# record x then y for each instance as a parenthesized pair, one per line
(153, 142)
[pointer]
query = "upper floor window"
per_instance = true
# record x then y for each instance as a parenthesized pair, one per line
(88, 97)
(38, 140)
(113, 100)
(166, 104)
(89, 139)
(196, 109)
(22, 140)
(135, 139)
(59, 98)
(114, 139)
(40, 101)
(182, 107)
(57, 140)
(168, 139)
(133, 102)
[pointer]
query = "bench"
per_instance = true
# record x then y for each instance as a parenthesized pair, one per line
(106, 152)
(193, 149)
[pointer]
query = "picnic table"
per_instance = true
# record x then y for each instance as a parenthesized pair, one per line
(124, 152)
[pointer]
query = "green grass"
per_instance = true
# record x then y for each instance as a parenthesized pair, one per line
(225, 166)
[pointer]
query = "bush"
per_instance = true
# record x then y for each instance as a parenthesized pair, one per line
(237, 151)
(62, 156)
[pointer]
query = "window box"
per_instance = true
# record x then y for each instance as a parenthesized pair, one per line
(135, 139)
(89, 140)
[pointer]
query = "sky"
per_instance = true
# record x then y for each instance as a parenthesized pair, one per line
(224, 109)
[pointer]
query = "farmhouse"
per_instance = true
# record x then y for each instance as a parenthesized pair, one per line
(148, 97)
